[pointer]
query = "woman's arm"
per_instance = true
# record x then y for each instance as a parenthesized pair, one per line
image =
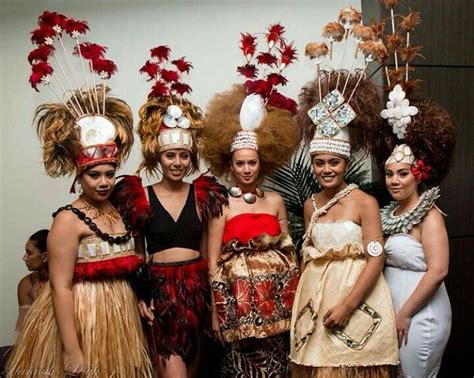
(63, 241)
(339, 315)
(139, 245)
(308, 211)
(214, 244)
(282, 214)
(434, 239)
(24, 300)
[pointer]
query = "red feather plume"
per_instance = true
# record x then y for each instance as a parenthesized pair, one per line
(91, 51)
(275, 32)
(75, 26)
(41, 53)
(276, 79)
(249, 71)
(159, 89)
(267, 58)
(39, 70)
(52, 19)
(248, 44)
(288, 53)
(182, 65)
(211, 196)
(261, 87)
(181, 88)
(104, 67)
(160, 52)
(40, 35)
(282, 102)
(169, 75)
(151, 69)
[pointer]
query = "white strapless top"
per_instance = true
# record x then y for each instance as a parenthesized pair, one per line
(405, 252)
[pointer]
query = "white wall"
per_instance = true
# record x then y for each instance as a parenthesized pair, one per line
(206, 32)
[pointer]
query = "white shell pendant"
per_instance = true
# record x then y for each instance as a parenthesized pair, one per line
(184, 122)
(252, 112)
(174, 111)
(170, 121)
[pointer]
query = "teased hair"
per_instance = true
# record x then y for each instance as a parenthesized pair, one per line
(365, 102)
(277, 136)
(60, 138)
(151, 118)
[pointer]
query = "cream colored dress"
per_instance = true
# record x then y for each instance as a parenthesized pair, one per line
(335, 259)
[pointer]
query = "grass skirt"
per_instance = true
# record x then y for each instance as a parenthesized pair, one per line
(108, 329)
(384, 371)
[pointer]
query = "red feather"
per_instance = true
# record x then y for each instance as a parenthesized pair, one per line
(52, 19)
(151, 69)
(182, 65)
(266, 58)
(211, 196)
(91, 51)
(76, 26)
(130, 199)
(282, 102)
(288, 53)
(274, 32)
(104, 67)
(249, 71)
(248, 44)
(119, 267)
(261, 87)
(40, 35)
(39, 70)
(169, 75)
(160, 52)
(159, 89)
(41, 53)
(181, 88)
(276, 79)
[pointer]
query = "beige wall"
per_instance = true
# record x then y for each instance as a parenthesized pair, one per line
(207, 32)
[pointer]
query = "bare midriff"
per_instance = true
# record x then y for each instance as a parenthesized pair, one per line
(175, 254)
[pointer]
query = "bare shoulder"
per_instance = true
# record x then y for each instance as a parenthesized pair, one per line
(25, 284)
(274, 198)
(363, 199)
(433, 219)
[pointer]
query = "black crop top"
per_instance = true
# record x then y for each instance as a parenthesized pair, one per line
(163, 232)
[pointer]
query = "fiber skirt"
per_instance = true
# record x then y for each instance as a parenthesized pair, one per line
(181, 299)
(254, 287)
(108, 329)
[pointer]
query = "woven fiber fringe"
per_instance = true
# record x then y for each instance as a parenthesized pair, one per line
(109, 333)
(384, 371)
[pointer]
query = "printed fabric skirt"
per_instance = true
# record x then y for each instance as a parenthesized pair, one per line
(181, 298)
(108, 328)
(254, 288)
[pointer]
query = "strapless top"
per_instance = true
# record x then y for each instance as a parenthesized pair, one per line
(405, 252)
(247, 226)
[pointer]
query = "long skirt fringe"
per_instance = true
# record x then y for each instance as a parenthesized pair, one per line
(384, 371)
(108, 328)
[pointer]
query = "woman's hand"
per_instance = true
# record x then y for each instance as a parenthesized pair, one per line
(402, 321)
(337, 316)
(216, 329)
(146, 311)
(73, 362)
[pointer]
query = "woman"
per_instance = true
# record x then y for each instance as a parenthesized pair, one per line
(36, 261)
(252, 264)
(417, 242)
(174, 290)
(342, 322)
(78, 323)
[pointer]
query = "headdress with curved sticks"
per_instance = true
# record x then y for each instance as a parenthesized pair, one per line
(254, 115)
(167, 119)
(340, 97)
(90, 127)
(424, 131)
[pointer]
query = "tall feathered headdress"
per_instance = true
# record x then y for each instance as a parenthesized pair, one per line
(90, 127)
(167, 119)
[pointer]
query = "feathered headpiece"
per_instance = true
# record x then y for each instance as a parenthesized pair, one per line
(90, 127)
(254, 115)
(424, 131)
(339, 109)
(167, 120)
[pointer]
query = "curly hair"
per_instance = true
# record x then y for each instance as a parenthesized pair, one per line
(277, 135)
(365, 102)
(60, 138)
(151, 118)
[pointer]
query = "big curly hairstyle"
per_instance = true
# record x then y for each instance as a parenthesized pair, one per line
(431, 136)
(151, 118)
(60, 138)
(277, 135)
(365, 102)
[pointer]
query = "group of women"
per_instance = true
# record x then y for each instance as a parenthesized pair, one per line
(139, 275)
